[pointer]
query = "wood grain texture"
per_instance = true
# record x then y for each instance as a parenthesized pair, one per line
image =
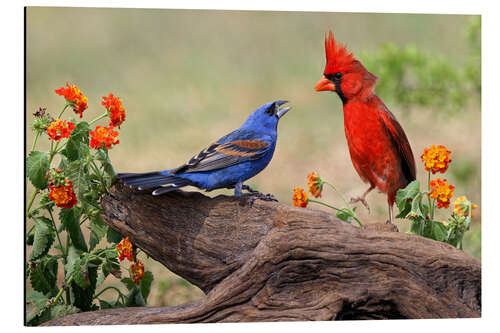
(268, 261)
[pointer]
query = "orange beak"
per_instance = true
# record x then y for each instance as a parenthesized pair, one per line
(324, 85)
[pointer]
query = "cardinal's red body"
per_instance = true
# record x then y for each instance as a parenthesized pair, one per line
(379, 148)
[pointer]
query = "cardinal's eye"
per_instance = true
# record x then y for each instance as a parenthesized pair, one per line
(338, 75)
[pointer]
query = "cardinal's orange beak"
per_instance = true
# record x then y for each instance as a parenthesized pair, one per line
(324, 85)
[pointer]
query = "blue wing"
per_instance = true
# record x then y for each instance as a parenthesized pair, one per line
(236, 147)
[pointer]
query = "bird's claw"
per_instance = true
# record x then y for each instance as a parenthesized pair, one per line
(362, 200)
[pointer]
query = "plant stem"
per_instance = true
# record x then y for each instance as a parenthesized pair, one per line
(62, 111)
(107, 288)
(63, 250)
(98, 118)
(62, 289)
(34, 141)
(337, 209)
(30, 202)
(339, 194)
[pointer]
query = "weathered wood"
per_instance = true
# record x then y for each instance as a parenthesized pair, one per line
(270, 262)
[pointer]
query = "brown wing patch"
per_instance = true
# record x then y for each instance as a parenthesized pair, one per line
(225, 151)
(251, 144)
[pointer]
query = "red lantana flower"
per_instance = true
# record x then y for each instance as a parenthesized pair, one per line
(125, 250)
(103, 137)
(115, 108)
(299, 197)
(137, 271)
(315, 184)
(63, 195)
(60, 129)
(442, 192)
(75, 97)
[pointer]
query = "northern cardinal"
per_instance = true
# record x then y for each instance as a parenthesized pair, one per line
(227, 163)
(379, 148)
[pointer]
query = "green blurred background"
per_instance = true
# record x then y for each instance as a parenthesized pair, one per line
(187, 77)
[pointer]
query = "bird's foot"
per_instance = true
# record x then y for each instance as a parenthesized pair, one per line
(254, 195)
(362, 200)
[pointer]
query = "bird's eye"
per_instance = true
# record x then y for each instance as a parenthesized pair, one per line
(338, 75)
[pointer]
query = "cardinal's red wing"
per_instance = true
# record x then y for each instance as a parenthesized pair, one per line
(400, 142)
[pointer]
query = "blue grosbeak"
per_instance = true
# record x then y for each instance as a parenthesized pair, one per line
(227, 163)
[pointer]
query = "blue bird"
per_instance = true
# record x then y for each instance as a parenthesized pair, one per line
(227, 163)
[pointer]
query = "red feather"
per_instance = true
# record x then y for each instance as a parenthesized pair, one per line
(379, 149)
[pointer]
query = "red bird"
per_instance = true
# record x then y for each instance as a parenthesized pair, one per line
(379, 148)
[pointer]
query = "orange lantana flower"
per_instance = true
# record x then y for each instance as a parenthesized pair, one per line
(315, 184)
(60, 129)
(125, 250)
(299, 197)
(137, 271)
(74, 96)
(103, 137)
(63, 195)
(115, 108)
(442, 192)
(462, 206)
(436, 158)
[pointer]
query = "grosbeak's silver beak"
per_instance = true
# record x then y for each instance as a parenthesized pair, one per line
(281, 112)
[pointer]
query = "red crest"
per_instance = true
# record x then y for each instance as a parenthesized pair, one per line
(338, 59)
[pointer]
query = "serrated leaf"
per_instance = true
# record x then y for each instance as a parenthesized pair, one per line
(72, 262)
(39, 300)
(70, 218)
(37, 166)
(43, 275)
(77, 144)
(405, 196)
(44, 236)
(61, 310)
(129, 283)
(78, 174)
(84, 296)
(103, 157)
(113, 236)
(98, 230)
(145, 284)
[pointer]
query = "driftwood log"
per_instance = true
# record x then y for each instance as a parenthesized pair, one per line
(268, 261)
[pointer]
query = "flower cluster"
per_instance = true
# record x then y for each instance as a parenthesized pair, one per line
(103, 137)
(299, 197)
(436, 159)
(62, 194)
(137, 271)
(442, 192)
(125, 250)
(74, 97)
(315, 184)
(60, 129)
(115, 108)
(462, 205)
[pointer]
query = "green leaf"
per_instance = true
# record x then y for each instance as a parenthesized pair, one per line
(77, 144)
(73, 262)
(417, 226)
(113, 236)
(129, 283)
(405, 196)
(37, 166)
(85, 296)
(77, 172)
(134, 297)
(43, 275)
(38, 300)
(145, 284)
(98, 230)
(102, 156)
(344, 216)
(70, 218)
(438, 231)
(61, 310)
(44, 236)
